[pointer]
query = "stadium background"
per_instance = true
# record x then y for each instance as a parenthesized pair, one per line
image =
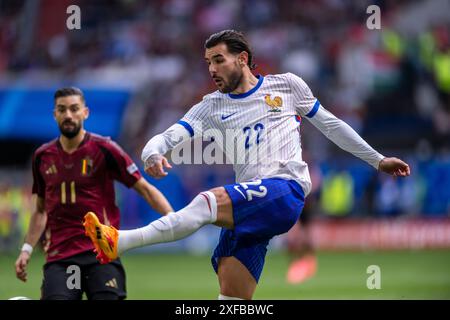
(141, 66)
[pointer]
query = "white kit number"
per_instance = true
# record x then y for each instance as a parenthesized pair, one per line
(261, 192)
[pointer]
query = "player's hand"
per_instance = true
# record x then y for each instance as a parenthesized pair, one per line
(21, 265)
(156, 165)
(395, 167)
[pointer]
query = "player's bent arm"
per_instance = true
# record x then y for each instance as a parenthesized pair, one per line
(153, 196)
(344, 136)
(162, 143)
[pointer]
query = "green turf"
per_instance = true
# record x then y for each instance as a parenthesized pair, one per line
(341, 275)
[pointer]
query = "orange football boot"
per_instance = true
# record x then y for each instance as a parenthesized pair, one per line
(104, 238)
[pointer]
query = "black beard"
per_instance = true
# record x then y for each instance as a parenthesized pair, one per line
(72, 133)
(234, 81)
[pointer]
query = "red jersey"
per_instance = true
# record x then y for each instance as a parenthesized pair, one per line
(73, 184)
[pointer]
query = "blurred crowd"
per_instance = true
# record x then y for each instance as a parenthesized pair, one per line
(391, 85)
(389, 82)
(15, 212)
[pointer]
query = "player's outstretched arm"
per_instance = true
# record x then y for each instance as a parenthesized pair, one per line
(347, 139)
(37, 226)
(191, 125)
(155, 149)
(153, 196)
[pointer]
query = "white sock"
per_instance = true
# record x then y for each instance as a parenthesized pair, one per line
(174, 226)
(222, 297)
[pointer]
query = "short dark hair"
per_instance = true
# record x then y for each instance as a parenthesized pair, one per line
(69, 91)
(235, 41)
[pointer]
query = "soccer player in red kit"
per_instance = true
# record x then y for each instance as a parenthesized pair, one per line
(74, 174)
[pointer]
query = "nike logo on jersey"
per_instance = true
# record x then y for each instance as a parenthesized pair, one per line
(224, 117)
(237, 189)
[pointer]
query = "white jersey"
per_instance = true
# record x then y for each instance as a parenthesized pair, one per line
(264, 119)
(265, 124)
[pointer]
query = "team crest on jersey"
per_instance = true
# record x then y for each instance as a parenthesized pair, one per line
(274, 104)
(86, 166)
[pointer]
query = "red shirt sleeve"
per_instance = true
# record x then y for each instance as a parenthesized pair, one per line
(121, 167)
(38, 181)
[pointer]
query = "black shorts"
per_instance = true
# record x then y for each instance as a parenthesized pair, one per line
(69, 278)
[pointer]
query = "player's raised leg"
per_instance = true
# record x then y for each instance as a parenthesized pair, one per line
(103, 237)
(207, 207)
(235, 281)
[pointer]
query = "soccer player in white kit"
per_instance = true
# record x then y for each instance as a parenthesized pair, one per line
(272, 180)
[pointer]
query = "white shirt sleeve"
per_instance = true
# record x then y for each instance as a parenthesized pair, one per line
(333, 128)
(164, 142)
(196, 119)
(193, 123)
(304, 100)
(344, 136)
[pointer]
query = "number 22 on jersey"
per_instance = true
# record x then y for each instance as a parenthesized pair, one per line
(258, 128)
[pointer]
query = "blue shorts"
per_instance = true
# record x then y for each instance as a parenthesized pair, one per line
(262, 209)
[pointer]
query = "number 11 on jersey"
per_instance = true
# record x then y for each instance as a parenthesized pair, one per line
(64, 193)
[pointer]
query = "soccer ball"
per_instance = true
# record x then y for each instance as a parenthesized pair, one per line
(19, 298)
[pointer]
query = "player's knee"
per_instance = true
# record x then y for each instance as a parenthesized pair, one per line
(221, 195)
(234, 292)
(201, 210)
(224, 208)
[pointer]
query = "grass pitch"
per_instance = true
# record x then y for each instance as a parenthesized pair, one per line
(341, 275)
